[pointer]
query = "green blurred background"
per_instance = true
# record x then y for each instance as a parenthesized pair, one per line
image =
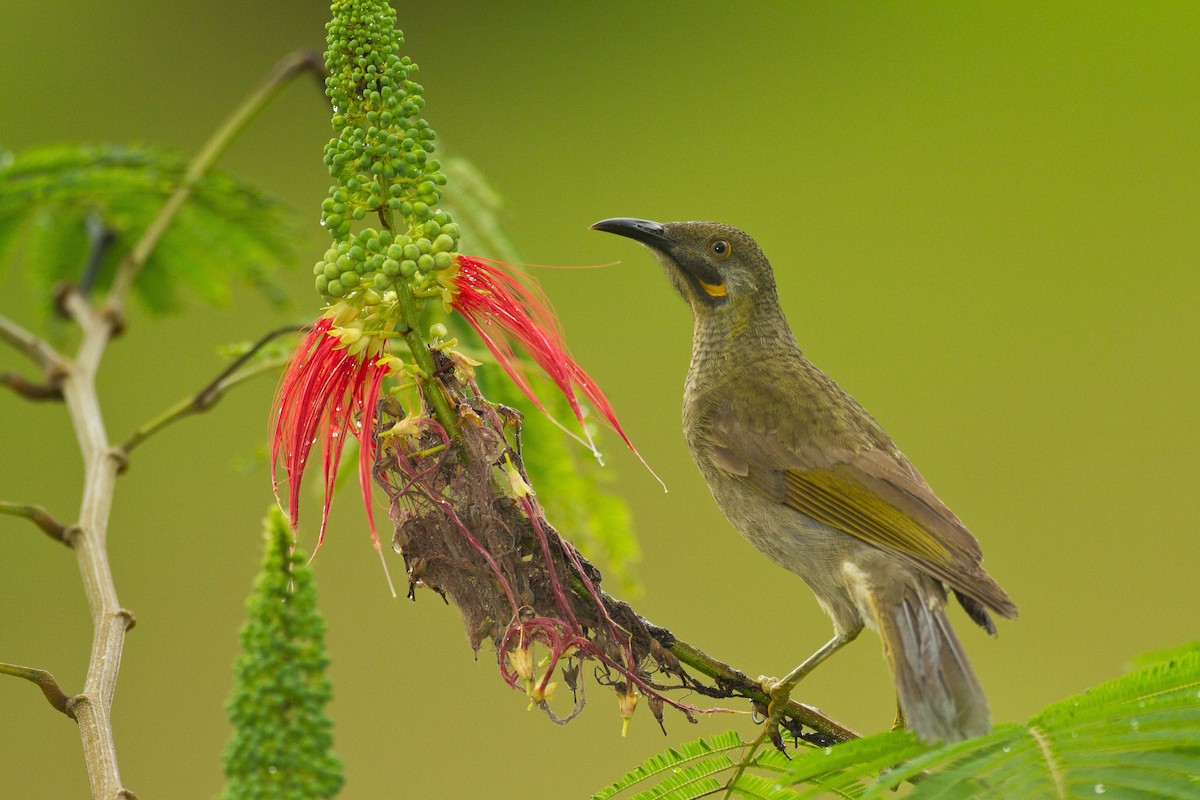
(984, 219)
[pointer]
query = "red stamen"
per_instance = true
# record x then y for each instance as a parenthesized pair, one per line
(505, 306)
(329, 394)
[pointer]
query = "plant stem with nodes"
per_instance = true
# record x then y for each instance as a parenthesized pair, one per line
(76, 377)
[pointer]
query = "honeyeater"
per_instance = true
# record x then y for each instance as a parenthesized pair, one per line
(813, 481)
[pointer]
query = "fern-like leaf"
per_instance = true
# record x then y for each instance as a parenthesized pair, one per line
(1137, 736)
(227, 233)
(673, 760)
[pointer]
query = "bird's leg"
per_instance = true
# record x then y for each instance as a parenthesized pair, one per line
(778, 691)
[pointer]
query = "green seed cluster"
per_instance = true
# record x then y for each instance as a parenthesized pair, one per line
(378, 259)
(380, 160)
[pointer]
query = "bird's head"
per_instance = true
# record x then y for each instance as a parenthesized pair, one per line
(717, 268)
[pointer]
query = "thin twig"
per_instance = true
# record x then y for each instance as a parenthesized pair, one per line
(35, 349)
(208, 397)
(40, 517)
(26, 388)
(45, 681)
(292, 65)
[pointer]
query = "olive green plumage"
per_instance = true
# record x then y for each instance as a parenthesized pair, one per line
(813, 481)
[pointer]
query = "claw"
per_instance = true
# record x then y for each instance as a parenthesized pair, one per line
(777, 740)
(899, 723)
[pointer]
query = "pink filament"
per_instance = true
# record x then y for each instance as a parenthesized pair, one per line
(505, 307)
(329, 394)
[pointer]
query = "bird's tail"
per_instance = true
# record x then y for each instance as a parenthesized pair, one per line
(938, 691)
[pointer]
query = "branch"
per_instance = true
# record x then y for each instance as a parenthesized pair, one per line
(739, 685)
(50, 688)
(40, 517)
(26, 388)
(730, 682)
(211, 394)
(36, 349)
(92, 707)
(110, 621)
(287, 69)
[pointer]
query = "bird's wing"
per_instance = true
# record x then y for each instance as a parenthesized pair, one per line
(861, 485)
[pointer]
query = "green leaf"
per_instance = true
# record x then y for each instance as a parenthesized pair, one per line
(673, 760)
(226, 234)
(1137, 736)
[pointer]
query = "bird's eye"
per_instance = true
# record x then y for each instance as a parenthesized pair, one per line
(720, 248)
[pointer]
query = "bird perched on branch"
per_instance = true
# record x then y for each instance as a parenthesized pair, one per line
(814, 482)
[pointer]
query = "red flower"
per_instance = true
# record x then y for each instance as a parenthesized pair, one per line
(505, 307)
(327, 393)
(332, 384)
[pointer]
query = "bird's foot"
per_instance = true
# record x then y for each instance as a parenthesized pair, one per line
(778, 692)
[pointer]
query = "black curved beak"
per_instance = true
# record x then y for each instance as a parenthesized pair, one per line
(651, 234)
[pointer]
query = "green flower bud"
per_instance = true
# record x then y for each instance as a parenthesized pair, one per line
(379, 159)
(322, 284)
(438, 331)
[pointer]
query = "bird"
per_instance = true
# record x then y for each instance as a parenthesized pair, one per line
(810, 478)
